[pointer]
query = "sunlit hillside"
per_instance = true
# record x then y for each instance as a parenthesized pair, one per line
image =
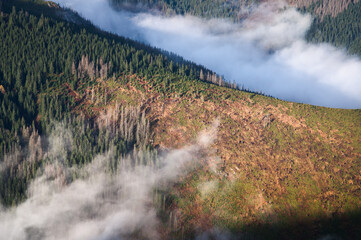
(103, 137)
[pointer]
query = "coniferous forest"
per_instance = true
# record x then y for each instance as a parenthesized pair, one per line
(344, 30)
(44, 64)
(39, 58)
(208, 8)
(71, 93)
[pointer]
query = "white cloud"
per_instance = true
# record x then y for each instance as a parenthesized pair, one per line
(98, 205)
(265, 53)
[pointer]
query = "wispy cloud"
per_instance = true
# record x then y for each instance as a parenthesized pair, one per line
(98, 205)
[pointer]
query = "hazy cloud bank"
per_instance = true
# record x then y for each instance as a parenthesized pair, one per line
(98, 205)
(267, 52)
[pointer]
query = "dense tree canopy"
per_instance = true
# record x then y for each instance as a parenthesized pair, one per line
(41, 60)
(343, 31)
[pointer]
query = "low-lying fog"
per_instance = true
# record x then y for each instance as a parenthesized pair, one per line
(100, 204)
(266, 52)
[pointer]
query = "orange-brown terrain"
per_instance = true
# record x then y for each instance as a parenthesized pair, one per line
(273, 162)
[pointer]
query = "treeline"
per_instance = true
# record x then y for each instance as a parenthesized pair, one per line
(75, 141)
(35, 51)
(205, 8)
(39, 58)
(48, 67)
(322, 8)
(344, 30)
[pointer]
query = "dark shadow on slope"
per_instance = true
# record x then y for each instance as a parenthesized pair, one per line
(345, 226)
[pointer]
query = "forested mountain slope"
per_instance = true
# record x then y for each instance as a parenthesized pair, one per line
(342, 30)
(323, 8)
(233, 8)
(41, 58)
(278, 170)
(220, 8)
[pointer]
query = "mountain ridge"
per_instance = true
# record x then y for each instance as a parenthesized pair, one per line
(279, 169)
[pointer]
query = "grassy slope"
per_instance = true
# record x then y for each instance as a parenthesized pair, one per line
(305, 164)
(276, 162)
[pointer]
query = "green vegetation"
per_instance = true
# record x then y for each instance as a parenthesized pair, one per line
(44, 70)
(343, 31)
(205, 8)
(54, 71)
(278, 170)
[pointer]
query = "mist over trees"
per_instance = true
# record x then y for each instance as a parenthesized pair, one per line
(62, 110)
(48, 69)
(39, 56)
(46, 58)
(331, 23)
(209, 8)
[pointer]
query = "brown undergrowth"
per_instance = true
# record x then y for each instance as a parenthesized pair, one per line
(278, 161)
